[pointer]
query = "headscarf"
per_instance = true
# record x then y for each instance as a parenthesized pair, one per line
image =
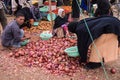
(60, 12)
(72, 27)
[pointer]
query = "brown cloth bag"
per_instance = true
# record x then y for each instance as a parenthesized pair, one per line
(107, 45)
(60, 32)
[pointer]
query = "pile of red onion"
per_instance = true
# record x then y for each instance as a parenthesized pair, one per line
(49, 54)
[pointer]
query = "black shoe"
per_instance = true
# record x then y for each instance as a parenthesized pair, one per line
(92, 65)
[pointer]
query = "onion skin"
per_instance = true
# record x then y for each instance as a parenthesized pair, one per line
(11, 54)
(16, 55)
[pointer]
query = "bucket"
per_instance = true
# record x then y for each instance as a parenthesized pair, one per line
(49, 16)
(44, 9)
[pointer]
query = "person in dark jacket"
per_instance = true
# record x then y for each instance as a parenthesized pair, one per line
(35, 12)
(103, 8)
(102, 24)
(28, 15)
(61, 21)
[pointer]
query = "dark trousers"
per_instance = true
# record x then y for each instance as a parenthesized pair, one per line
(3, 18)
(59, 3)
(75, 9)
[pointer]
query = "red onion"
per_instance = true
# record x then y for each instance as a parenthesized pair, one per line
(49, 54)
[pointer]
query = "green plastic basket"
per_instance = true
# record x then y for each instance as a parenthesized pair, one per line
(72, 51)
(44, 9)
(49, 16)
(35, 23)
(45, 36)
(25, 42)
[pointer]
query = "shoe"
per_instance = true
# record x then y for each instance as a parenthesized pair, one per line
(92, 65)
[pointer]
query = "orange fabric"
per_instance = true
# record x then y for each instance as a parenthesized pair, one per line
(107, 45)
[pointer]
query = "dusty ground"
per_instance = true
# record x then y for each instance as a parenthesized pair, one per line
(13, 69)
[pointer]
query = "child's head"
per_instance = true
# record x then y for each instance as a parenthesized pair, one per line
(61, 13)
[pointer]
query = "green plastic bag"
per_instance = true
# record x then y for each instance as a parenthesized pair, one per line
(25, 42)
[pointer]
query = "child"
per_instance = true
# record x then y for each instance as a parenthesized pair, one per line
(60, 27)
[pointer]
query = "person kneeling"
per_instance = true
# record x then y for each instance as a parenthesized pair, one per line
(13, 34)
(60, 27)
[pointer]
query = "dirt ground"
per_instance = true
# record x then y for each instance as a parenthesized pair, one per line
(13, 69)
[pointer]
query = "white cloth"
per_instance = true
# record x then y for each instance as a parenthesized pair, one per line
(40, 2)
(60, 12)
(14, 4)
(1, 6)
(21, 2)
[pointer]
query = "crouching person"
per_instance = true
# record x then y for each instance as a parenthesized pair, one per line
(13, 34)
(60, 27)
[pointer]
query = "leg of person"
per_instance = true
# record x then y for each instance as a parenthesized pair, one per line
(3, 18)
(21, 33)
(93, 65)
(75, 10)
(15, 44)
(54, 32)
(89, 5)
(83, 54)
(18, 44)
(66, 31)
